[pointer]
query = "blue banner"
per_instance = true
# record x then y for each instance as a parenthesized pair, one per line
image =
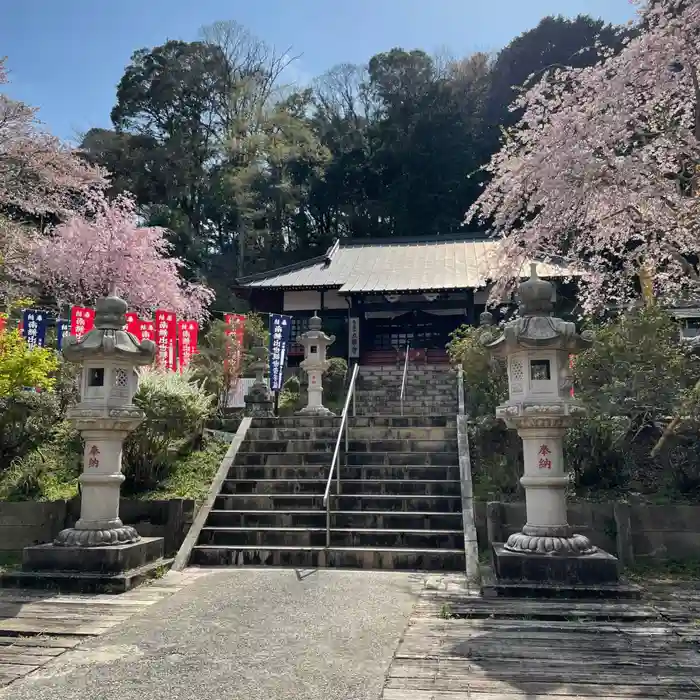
(34, 327)
(62, 330)
(280, 335)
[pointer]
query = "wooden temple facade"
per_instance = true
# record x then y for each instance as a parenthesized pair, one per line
(379, 296)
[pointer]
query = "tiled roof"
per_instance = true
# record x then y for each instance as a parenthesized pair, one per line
(394, 265)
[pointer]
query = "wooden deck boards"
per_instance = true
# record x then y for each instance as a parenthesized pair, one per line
(38, 626)
(459, 646)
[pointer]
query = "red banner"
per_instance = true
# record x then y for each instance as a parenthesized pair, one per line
(186, 342)
(3, 323)
(146, 331)
(82, 321)
(235, 326)
(133, 325)
(166, 332)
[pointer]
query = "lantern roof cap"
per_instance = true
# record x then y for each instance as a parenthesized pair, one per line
(108, 336)
(536, 295)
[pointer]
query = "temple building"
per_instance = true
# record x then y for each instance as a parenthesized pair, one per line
(379, 295)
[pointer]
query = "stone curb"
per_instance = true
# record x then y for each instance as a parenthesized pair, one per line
(183, 555)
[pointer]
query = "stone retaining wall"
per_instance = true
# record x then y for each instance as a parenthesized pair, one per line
(26, 523)
(630, 531)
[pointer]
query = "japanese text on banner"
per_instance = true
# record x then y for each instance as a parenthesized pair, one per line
(166, 331)
(82, 321)
(235, 327)
(187, 342)
(146, 331)
(34, 327)
(62, 331)
(133, 325)
(280, 334)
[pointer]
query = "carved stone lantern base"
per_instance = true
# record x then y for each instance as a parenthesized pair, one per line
(516, 574)
(561, 541)
(76, 537)
(321, 411)
(82, 566)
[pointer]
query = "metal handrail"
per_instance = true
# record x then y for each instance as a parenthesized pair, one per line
(336, 452)
(460, 389)
(405, 372)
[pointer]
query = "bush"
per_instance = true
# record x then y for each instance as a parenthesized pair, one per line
(632, 380)
(177, 408)
(334, 380)
(49, 472)
(485, 379)
(21, 367)
(27, 419)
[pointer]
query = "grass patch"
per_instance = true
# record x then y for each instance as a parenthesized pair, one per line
(664, 571)
(52, 475)
(191, 475)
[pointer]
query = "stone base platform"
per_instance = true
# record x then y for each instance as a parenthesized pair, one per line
(113, 569)
(591, 576)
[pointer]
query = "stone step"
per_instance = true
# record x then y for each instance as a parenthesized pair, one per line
(354, 445)
(261, 487)
(428, 472)
(408, 411)
(387, 420)
(355, 432)
(416, 520)
(346, 501)
(337, 557)
(289, 459)
(345, 537)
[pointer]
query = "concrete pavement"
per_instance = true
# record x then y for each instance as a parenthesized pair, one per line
(258, 634)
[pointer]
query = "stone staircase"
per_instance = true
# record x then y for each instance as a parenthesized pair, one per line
(430, 390)
(399, 505)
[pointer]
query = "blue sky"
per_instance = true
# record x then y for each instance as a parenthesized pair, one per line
(66, 56)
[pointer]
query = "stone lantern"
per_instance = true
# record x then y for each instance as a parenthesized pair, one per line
(258, 400)
(315, 343)
(536, 347)
(100, 544)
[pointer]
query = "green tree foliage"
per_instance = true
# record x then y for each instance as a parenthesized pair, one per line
(248, 174)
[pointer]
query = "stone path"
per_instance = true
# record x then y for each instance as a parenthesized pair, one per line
(459, 646)
(282, 634)
(38, 626)
(268, 634)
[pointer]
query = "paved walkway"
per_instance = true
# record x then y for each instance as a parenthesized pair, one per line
(254, 634)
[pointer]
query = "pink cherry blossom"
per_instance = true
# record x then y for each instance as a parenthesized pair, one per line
(600, 173)
(104, 249)
(38, 174)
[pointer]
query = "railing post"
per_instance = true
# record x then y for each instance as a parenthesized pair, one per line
(336, 454)
(405, 371)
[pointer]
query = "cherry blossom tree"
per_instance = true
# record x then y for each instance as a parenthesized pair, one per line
(104, 248)
(40, 179)
(38, 174)
(602, 171)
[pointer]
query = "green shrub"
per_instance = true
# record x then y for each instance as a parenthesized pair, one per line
(334, 380)
(177, 408)
(49, 472)
(632, 380)
(485, 380)
(26, 420)
(21, 366)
